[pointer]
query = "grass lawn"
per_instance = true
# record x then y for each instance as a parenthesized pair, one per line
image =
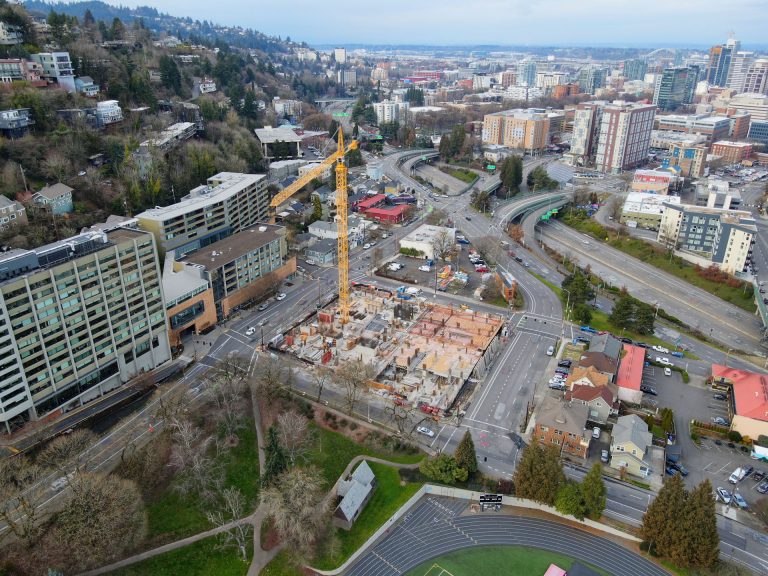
(466, 176)
(494, 560)
(333, 451)
(659, 258)
(173, 516)
(203, 558)
(387, 499)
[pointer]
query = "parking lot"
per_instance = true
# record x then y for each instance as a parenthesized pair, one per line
(710, 461)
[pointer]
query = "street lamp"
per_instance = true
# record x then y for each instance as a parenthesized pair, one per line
(262, 337)
(567, 303)
(727, 354)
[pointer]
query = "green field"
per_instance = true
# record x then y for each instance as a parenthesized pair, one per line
(466, 176)
(510, 560)
(203, 558)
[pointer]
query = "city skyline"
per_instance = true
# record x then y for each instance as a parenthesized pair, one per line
(515, 22)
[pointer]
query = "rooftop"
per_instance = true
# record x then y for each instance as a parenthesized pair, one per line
(631, 428)
(219, 188)
(733, 144)
(428, 233)
(564, 416)
(631, 367)
(271, 135)
(55, 191)
(229, 249)
(750, 391)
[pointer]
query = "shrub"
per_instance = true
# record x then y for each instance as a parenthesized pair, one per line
(344, 422)
(734, 436)
(695, 437)
(353, 425)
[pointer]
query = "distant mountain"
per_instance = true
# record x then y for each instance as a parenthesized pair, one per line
(183, 28)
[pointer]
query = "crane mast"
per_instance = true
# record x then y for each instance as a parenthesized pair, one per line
(343, 233)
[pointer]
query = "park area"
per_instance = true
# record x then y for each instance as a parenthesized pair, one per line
(495, 560)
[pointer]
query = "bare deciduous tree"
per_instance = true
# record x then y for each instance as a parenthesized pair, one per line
(406, 418)
(581, 196)
(615, 207)
(22, 490)
(354, 377)
(226, 388)
(295, 435)
(67, 451)
(56, 166)
(190, 457)
(320, 377)
(436, 217)
(272, 376)
(232, 509)
(297, 505)
(443, 244)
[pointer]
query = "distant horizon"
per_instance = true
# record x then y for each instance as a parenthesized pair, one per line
(514, 22)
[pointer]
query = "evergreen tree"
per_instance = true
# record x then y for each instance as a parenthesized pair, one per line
(275, 460)
(457, 140)
(582, 314)
(663, 526)
(88, 19)
(700, 547)
(317, 208)
(118, 29)
(570, 500)
(578, 286)
(169, 73)
(623, 311)
(539, 474)
(443, 468)
(593, 491)
(465, 454)
(644, 318)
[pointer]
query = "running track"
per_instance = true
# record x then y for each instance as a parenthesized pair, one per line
(434, 527)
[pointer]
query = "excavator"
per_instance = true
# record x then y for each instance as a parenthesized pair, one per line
(341, 210)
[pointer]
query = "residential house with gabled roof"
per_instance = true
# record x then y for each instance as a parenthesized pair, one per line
(630, 444)
(355, 492)
(56, 198)
(606, 344)
(600, 362)
(587, 376)
(563, 424)
(599, 400)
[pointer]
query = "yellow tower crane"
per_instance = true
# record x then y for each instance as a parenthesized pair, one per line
(341, 211)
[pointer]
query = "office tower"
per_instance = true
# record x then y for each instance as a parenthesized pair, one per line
(635, 69)
(78, 318)
(756, 80)
(526, 73)
(586, 132)
(676, 87)
(625, 136)
(720, 58)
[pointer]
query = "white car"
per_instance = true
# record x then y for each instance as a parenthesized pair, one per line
(425, 268)
(426, 431)
(310, 261)
(280, 296)
(251, 331)
(667, 371)
(660, 349)
(366, 246)
(664, 361)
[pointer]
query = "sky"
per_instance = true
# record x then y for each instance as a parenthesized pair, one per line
(618, 23)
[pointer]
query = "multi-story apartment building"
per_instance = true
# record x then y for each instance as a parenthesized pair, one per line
(591, 78)
(227, 204)
(586, 132)
(625, 136)
(15, 123)
(758, 130)
(691, 159)
(388, 111)
(712, 127)
(77, 318)
(57, 66)
(732, 152)
(108, 112)
(709, 236)
(12, 213)
(526, 73)
(675, 87)
(563, 424)
(10, 35)
(522, 129)
(720, 58)
(17, 70)
(756, 79)
(635, 69)
(347, 77)
(754, 104)
(741, 62)
(340, 55)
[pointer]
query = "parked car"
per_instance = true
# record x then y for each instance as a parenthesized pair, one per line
(762, 487)
(425, 268)
(565, 363)
(648, 390)
(664, 361)
(482, 269)
(551, 351)
(660, 349)
(667, 371)
(518, 440)
(263, 307)
(280, 296)
(720, 421)
(596, 432)
(426, 431)
(724, 495)
(563, 371)
(737, 476)
(758, 475)
(626, 340)
(677, 354)
(670, 471)
(557, 386)
(583, 339)
(604, 456)
(719, 396)
(680, 468)
(642, 345)
(366, 246)
(739, 501)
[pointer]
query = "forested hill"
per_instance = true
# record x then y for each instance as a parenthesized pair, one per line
(183, 28)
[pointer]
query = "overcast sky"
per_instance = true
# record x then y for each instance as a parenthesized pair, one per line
(537, 22)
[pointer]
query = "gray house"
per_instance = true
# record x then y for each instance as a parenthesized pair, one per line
(322, 252)
(355, 492)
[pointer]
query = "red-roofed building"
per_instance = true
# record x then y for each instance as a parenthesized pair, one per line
(370, 202)
(748, 402)
(598, 399)
(391, 215)
(631, 374)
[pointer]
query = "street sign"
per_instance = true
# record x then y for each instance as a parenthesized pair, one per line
(423, 158)
(340, 114)
(490, 498)
(491, 167)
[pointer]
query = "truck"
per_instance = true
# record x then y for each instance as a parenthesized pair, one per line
(737, 475)
(759, 453)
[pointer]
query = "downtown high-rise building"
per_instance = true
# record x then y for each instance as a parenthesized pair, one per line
(78, 318)
(741, 62)
(586, 132)
(675, 87)
(591, 78)
(720, 58)
(526, 73)
(635, 69)
(625, 136)
(756, 79)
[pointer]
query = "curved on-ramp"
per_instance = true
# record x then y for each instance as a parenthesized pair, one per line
(435, 527)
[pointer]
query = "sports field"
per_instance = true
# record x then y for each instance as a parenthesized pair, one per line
(507, 560)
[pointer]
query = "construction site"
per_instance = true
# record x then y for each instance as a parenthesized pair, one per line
(424, 354)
